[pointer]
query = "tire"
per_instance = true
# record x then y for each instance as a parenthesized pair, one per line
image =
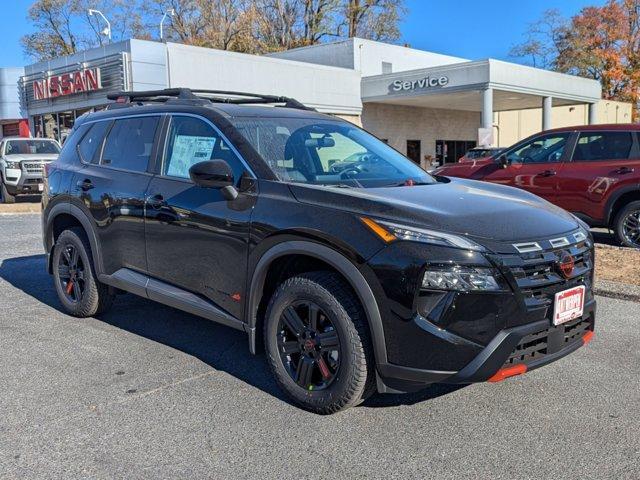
(353, 378)
(6, 196)
(626, 220)
(95, 297)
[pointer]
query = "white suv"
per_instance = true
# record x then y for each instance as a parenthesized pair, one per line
(22, 162)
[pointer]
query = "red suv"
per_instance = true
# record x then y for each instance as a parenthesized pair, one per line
(592, 171)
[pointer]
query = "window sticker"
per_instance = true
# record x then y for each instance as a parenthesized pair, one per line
(187, 151)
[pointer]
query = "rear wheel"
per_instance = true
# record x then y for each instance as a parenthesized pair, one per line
(6, 196)
(79, 291)
(317, 343)
(627, 225)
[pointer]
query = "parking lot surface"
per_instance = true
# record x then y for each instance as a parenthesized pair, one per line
(147, 391)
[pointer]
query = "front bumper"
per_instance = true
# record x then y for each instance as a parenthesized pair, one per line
(512, 351)
(28, 179)
(464, 337)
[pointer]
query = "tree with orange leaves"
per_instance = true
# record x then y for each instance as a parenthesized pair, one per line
(599, 42)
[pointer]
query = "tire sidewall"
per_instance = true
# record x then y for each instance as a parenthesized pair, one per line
(285, 296)
(69, 237)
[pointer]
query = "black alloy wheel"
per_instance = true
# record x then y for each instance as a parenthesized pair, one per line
(627, 225)
(309, 345)
(77, 286)
(71, 273)
(631, 227)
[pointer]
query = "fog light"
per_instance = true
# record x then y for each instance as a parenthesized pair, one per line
(463, 279)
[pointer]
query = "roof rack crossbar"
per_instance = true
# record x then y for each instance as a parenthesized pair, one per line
(214, 96)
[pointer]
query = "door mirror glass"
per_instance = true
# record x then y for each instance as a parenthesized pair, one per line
(212, 174)
(503, 161)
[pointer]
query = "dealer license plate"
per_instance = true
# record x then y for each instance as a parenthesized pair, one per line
(569, 304)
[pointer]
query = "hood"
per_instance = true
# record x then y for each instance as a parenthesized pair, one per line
(33, 157)
(476, 168)
(481, 210)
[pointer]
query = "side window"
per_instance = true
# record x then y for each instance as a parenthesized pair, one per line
(92, 140)
(190, 141)
(592, 147)
(544, 149)
(129, 143)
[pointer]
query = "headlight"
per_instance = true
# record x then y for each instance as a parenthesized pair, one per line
(463, 279)
(390, 232)
(13, 165)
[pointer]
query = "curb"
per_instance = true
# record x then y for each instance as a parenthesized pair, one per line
(621, 291)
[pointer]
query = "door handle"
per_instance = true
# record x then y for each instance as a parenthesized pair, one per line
(548, 173)
(625, 170)
(156, 201)
(84, 185)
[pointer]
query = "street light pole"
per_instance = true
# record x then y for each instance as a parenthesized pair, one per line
(171, 12)
(106, 31)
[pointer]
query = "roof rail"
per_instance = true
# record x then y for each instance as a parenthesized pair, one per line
(201, 96)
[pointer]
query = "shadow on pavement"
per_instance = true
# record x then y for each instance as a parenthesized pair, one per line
(220, 347)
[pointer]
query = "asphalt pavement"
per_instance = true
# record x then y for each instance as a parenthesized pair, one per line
(146, 391)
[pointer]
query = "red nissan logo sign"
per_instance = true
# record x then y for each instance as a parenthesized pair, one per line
(566, 265)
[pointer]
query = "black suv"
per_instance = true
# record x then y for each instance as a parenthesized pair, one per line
(374, 276)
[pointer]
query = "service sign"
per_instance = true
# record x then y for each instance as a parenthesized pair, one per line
(85, 80)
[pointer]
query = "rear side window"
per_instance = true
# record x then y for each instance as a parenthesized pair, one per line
(592, 147)
(90, 143)
(129, 143)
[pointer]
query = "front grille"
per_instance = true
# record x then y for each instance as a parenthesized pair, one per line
(538, 278)
(32, 167)
(536, 346)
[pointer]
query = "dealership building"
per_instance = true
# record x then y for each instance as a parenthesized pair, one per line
(428, 105)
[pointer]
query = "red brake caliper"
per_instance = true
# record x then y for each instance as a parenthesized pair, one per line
(69, 287)
(324, 369)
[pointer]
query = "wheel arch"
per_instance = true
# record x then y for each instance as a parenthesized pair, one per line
(65, 212)
(618, 200)
(337, 261)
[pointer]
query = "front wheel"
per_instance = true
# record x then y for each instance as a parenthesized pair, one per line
(317, 343)
(627, 225)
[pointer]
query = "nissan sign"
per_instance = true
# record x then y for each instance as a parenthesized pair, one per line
(426, 82)
(85, 80)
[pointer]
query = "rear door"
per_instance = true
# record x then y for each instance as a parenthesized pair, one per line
(534, 165)
(111, 186)
(196, 239)
(602, 162)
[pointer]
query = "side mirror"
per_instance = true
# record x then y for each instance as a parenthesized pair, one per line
(214, 174)
(503, 161)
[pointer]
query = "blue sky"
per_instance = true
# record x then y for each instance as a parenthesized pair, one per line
(471, 29)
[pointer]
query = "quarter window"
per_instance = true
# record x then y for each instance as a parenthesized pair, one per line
(545, 149)
(592, 147)
(89, 145)
(129, 143)
(192, 141)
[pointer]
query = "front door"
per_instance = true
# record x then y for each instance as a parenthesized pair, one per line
(534, 165)
(196, 239)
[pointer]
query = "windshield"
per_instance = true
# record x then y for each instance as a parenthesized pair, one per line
(23, 147)
(324, 152)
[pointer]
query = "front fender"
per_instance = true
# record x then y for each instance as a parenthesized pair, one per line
(338, 261)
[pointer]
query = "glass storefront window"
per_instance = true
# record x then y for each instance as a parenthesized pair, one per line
(58, 125)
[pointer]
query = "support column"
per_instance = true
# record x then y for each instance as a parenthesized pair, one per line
(487, 108)
(592, 114)
(547, 104)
